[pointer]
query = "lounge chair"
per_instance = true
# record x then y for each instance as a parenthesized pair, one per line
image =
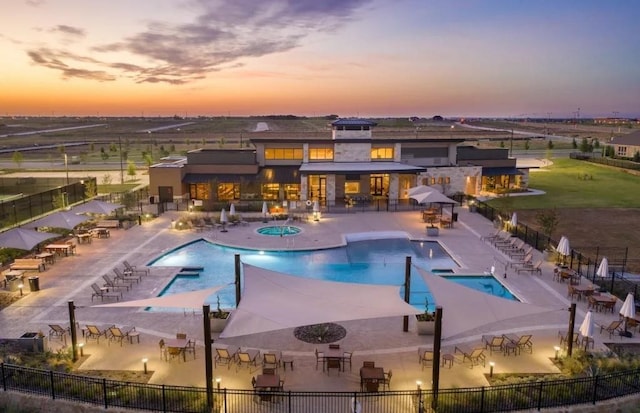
(247, 358)
(426, 358)
(494, 343)
(521, 342)
(117, 334)
(131, 269)
(104, 293)
(124, 277)
(92, 331)
(612, 328)
(522, 262)
(270, 360)
(56, 330)
(492, 237)
(475, 356)
(535, 268)
(223, 356)
(110, 283)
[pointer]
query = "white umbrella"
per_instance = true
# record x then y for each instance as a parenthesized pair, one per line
(628, 309)
(223, 220)
(432, 197)
(514, 220)
(23, 239)
(563, 247)
(316, 206)
(232, 210)
(420, 189)
(603, 269)
(586, 328)
(265, 211)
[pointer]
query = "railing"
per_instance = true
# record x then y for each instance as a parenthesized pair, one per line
(154, 397)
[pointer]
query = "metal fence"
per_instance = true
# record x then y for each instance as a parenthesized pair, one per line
(154, 397)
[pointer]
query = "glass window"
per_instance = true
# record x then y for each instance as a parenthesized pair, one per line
(292, 191)
(228, 191)
(283, 153)
(352, 187)
(622, 151)
(270, 191)
(199, 191)
(321, 153)
(381, 153)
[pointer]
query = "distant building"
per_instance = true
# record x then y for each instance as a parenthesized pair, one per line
(626, 146)
(351, 163)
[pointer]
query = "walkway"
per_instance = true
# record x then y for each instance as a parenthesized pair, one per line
(380, 340)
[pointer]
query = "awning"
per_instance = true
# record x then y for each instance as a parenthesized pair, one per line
(359, 167)
(497, 171)
(274, 301)
(205, 178)
(271, 174)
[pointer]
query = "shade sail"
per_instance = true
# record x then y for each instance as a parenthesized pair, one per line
(191, 299)
(62, 219)
(96, 207)
(23, 239)
(466, 309)
(420, 189)
(274, 301)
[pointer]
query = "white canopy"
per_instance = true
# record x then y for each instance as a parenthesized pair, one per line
(61, 219)
(433, 197)
(421, 189)
(274, 301)
(96, 207)
(191, 299)
(465, 309)
(24, 239)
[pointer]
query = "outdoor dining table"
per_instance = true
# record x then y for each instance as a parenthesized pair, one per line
(371, 377)
(333, 358)
(67, 249)
(583, 290)
(179, 343)
(266, 383)
(48, 257)
(101, 232)
(84, 238)
(602, 299)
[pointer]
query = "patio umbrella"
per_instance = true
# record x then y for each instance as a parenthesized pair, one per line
(433, 197)
(586, 328)
(563, 248)
(23, 239)
(232, 210)
(62, 219)
(603, 269)
(265, 211)
(628, 309)
(420, 189)
(514, 220)
(96, 207)
(316, 206)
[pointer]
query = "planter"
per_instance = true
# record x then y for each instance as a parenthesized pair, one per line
(218, 324)
(433, 231)
(425, 328)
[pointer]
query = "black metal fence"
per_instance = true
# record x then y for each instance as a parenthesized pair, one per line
(154, 397)
(617, 163)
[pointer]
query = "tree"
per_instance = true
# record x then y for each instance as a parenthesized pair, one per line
(17, 158)
(148, 159)
(548, 221)
(550, 144)
(585, 146)
(596, 143)
(106, 179)
(90, 189)
(131, 169)
(527, 145)
(574, 144)
(104, 156)
(636, 157)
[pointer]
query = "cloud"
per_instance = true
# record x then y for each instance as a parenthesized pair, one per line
(68, 30)
(222, 34)
(53, 60)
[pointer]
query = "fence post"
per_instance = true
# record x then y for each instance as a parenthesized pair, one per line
(482, 400)
(595, 389)
(104, 393)
(53, 389)
(540, 395)
(4, 377)
(164, 399)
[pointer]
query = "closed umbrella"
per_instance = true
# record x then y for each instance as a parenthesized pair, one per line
(23, 239)
(514, 220)
(586, 328)
(265, 211)
(232, 210)
(628, 310)
(223, 220)
(603, 269)
(563, 248)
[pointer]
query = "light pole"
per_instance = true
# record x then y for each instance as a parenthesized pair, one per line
(66, 166)
(121, 167)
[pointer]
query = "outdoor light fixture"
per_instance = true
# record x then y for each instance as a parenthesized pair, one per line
(81, 345)
(316, 216)
(491, 365)
(557, 349)
(21, 286)
(144, 363)
(218, 381)
(418, 384)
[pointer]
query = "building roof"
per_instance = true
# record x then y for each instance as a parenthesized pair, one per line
(353, 122)
(632, 139)
(359, 167)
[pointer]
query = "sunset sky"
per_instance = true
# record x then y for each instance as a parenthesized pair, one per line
(317, 57)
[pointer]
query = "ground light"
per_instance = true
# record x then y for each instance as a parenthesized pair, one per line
(144, 362)
(21, 286)
(557, 349)
(218, 381)
(491, 366)
(81, 345)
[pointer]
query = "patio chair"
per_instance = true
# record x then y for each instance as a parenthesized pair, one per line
(368, 364)
(131, 269)
(319, 359)
(494, 343)
(387, 379)
(612, 328)
(104, 293)
(608, 305)
(174, 352)
(524, 342)
(564, 338)
(56, 330)
(247, 358)
(492, 237)
(223, 357)
(523, 262)
(124, 277)
(346, 358)
(111, 283)
(93, 332)
(475, 356)
(426, 358)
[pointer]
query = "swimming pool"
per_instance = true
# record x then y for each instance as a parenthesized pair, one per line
(370, 261)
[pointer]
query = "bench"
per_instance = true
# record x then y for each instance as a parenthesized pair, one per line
(28, 264)
(109, 223)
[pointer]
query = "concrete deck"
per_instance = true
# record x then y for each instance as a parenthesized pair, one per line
(379, 340)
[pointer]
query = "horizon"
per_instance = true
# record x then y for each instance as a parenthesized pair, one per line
(360, 58)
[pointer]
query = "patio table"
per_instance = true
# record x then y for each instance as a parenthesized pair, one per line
(371, 377)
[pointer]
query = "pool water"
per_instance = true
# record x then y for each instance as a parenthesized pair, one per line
(280, 230)
(380, 261)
